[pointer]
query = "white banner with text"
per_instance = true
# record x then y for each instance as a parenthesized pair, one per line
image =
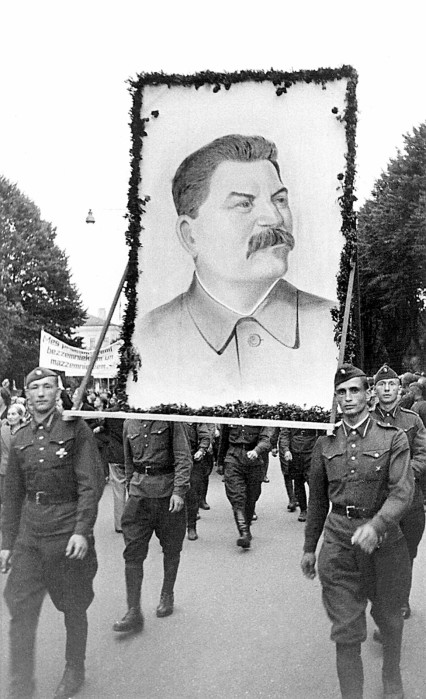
(57, 355)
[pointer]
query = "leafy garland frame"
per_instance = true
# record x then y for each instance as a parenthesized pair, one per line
(283, 81)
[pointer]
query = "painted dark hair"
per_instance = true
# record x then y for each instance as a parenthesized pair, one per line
(191, 182)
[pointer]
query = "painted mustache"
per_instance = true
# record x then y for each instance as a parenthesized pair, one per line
(268, 238)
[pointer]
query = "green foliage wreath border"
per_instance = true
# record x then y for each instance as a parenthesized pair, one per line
(283, 81)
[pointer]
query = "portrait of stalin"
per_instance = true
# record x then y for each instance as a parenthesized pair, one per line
(240, 331)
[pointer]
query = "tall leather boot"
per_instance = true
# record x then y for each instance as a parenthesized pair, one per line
(349, 670)
(75, 653)
(243, 529)
(166, 604)
(288, 482)
(22, 651)
(391, 674)
(133, 619)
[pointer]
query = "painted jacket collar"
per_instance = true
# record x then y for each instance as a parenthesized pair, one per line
(278, 314)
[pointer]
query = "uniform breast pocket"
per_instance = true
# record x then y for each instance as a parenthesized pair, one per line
(374, 463)
(335, 466)
(60, 453)
(160, 438)
(25, 454)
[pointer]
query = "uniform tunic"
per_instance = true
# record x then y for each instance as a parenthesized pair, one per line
(158, 464)
(367, 467)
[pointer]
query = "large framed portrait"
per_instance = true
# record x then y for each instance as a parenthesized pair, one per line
(240, 211)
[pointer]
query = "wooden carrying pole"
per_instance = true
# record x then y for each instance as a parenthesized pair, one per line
(345, 326)
(93, 358)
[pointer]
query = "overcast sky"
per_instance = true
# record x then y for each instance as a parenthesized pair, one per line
(64, 136)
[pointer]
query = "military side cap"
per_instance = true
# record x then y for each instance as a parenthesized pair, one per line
(346, 372)
(39, 373)
(385, 372)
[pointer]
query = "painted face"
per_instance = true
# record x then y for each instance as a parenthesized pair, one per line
(243, 231)
(42, 395)
(13, 416)
(387, 391)
(352, 398)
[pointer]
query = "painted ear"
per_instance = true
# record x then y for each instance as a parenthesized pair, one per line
(184, 231)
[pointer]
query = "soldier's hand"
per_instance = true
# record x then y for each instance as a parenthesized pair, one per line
(252, 455)
(176, 503)
(288, 456)
(198, 455)
(77, 547)
(307, 565)
(5, 556)
(366, 538)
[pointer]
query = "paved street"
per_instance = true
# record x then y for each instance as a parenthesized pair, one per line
(246, 623)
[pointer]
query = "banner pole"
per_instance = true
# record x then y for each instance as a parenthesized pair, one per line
(345, 326)
(81, 389)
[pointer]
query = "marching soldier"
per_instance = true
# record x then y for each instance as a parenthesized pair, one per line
(158, 464)
(199, 439)
(53, 483)
(241, 450)
(364, 470)
(388, 410)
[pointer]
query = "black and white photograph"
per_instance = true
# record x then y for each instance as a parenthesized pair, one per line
(212, 350)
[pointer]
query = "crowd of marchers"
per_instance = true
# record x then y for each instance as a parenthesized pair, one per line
(362, 485)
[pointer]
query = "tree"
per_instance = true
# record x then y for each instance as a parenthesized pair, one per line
(35, 287)
(392, 262)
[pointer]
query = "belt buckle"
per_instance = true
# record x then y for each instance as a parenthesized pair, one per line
(38, 495)
(348, 508)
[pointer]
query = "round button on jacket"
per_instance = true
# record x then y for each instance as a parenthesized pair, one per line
(254, 340)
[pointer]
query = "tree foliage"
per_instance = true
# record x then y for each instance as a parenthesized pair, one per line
(35, 287)
(392, 262)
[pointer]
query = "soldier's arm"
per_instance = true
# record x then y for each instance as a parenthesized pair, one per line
(128, 456)
(418, 457)
(400, 485)
(182, 459)
(223, 443)
(284, 439)
(203, 437)
(90, 477)
(14, 495)
(274, 437)
(264, 442)
(318, 505)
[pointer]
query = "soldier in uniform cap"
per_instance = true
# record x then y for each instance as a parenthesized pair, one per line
(53, 484)
(363, 469)
(388, 410)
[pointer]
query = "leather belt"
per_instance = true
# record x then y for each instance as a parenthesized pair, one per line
(152, 470)
(353, 512)
(40, 497)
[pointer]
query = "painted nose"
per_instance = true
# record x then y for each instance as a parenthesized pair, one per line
(269, 215)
